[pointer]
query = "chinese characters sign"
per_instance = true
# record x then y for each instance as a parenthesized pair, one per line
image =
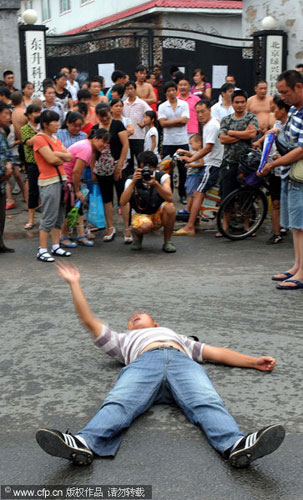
(35, 58)
(274, 49)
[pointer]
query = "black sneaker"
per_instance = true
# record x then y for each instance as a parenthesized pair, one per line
(256, 445)
(274, 239)
(62, 445)
(283, 231)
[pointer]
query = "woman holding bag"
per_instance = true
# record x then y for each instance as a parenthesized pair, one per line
(108, 168)
(49, 155)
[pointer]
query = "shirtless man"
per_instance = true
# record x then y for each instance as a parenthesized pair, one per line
(18, 117)
(260, 104)
(144, 90)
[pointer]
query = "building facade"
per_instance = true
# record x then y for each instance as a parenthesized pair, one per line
(9, 49)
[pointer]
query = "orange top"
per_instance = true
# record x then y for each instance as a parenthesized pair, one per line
(46, 170)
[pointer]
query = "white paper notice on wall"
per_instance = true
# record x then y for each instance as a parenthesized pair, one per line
(219, 74)
(106, 71)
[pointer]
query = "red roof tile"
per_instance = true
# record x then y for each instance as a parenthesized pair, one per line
(188, 4)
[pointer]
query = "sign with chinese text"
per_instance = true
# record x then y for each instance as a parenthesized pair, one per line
(35, 59)
(274, 54)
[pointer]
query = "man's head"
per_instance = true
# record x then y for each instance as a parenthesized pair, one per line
(9, 79)
(184, 86)
(151, 78)
(5, 94)
(157, 71)
(290, 87)
(95, 86)
(49, 94)
(281, 108)
(170, 90)
(140, 320)
(118, 77)
(130, 89)
(65, 70)
(261, 89)
(5, 114)
(16, 98)
(117, 91)
(230, 79)
(239, 101)
(227, 90)
(148, 158)
(203, 111)
(299, 68)
(83, 96)
(141, 72)
(73, 73)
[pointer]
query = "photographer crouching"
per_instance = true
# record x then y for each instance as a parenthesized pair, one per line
(151, 201)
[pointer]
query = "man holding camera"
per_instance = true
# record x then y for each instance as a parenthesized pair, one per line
(151, 201)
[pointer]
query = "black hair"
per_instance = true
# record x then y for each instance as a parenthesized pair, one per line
(300, 65)
(82, 107)
(3, 106)
(60, 75)
(173, 69)
(183, 78)
(291, 77)
(204, 101)
(47, 117)
(280, 103)
(226, 86)
(140, 67)
(169, 84)
(97, 78)
(26, 83)
(114, 101)
(45, 87)
(32, 108)
(239, 93)
(129, 83)
(47, 82)
(151, 114)
(117, 74)
(83, 94)
(179, 76)
(100, 133)
(230, 76)
(16, 98)
(7, 72)
(5, 91)
(148, 158)
(260, 81)
(118, 88)
(198, 70)
(102, 109)
(72, 117)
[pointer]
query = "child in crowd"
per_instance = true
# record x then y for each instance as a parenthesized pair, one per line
(193, 175)
(151, 140)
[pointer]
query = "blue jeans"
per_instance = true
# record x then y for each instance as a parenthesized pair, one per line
(160, 376)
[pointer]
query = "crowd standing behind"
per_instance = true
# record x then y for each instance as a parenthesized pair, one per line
(72, 127)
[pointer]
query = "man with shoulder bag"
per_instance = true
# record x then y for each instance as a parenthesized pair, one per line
(290, 87)
(151, 201)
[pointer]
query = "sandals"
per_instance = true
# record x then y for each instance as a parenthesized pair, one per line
(70, 244)
(29, 226)
(60, 252)
(83, 241)
(110, 237)
(45, 257)
(128, 239)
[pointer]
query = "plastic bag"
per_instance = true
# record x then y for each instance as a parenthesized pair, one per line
(96, 209)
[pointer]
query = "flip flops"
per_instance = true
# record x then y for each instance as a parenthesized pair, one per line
(70, 244)
(286, 274)
(298, 284)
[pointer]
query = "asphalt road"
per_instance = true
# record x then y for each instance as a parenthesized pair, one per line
(53, 376)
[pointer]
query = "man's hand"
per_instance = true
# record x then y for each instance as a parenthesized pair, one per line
(265, 363)
(80, 196)
(265, 170)
(137, 175)
(152, 182)
(68, 272)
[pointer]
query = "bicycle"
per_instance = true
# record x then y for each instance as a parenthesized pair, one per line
(248, 204)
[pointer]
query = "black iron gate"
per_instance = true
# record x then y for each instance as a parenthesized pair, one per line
(127, 47)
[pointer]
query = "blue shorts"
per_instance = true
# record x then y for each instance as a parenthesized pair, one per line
(191, 184)
(295, 204)
(210, 177)
(284, 219)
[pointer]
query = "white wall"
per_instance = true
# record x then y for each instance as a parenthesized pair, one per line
(225, 25)
(289, 16)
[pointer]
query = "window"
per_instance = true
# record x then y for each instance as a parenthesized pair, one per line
(46, 14)
(28, 4)
(64, 5)
(83, 2)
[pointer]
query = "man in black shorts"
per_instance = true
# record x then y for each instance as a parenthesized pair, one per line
(236, 133)
(211, 153)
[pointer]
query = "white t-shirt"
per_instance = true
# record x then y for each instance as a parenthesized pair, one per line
(73, 89)
(174, 136)
(219, 111)
(148, 141)
(210, 136)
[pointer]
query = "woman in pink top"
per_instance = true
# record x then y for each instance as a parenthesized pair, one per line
(81, 152)
(201, 88)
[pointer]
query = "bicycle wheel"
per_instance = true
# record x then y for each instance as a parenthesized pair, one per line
(247, 208)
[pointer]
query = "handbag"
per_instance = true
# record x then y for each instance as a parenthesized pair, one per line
(96, 210)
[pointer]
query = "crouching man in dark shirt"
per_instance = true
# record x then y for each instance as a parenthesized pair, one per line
(151, 200)
(162, 366)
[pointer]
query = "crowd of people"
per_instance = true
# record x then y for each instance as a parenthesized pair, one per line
(117, 136)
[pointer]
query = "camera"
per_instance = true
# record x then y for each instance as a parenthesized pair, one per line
(176, 156)
(147, 173)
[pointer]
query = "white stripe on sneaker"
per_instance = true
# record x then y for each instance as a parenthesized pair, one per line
(70, 441)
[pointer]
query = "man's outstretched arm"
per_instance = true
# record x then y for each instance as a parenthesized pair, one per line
(72, 276)
(232, 358)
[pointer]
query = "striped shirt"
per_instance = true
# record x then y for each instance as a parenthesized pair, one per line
(126, 347)
(294, 132)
